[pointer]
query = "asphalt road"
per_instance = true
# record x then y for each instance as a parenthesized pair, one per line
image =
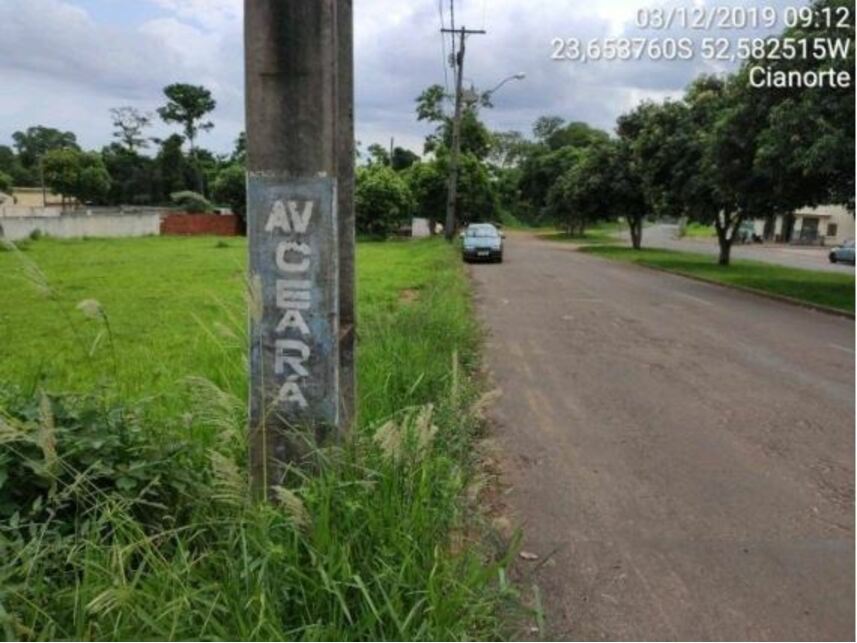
(680, 456)
(807, 257)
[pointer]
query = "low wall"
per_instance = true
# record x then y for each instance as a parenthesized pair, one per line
(70, 226)
(224, 225)
(22, 211)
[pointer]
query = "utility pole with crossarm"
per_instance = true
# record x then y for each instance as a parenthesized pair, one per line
(455, 152)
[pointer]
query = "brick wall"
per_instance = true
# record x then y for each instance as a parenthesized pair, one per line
(214, 224)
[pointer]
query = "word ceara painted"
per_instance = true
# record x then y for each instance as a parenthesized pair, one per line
(293, 257)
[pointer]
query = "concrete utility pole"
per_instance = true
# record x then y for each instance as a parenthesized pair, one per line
(300, 161)
(452, 185)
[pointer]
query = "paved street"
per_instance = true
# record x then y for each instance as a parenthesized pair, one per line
(811, 258)
(680, 456)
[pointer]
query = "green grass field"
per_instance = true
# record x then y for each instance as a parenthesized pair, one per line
(603, 232)
(124, 513)
(697, 230)
(176, 308)
(835, 290)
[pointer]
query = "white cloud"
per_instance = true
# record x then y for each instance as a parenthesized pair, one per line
(62, 64)
(211, 14)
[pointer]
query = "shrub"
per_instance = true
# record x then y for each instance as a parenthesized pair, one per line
(5, 183)
(191, 202)
(63, 454)
(230, 187)
(382, 200)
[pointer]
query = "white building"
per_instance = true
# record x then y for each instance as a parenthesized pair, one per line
(420, 227)
(827, 225)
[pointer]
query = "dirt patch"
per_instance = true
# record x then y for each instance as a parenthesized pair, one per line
(409, 295)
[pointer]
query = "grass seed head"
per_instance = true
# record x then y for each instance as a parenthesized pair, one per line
(293, 506)
(91, 308)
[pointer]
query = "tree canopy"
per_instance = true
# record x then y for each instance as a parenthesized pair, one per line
(187, 105)
(382, 200)
(130, 123)
(80, 175)
(34, 142)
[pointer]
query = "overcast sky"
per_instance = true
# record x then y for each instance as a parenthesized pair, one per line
(64, 63)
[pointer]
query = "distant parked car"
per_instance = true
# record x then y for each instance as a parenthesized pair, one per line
(482, 241)
(843, 253)
(746, 233)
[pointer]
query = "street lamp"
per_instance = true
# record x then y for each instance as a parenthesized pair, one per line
(471, 97)
(518, 76)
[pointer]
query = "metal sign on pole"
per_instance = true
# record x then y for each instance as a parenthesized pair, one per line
(300, 228)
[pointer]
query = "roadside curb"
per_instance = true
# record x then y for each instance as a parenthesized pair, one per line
(753, 291)
(573, 247)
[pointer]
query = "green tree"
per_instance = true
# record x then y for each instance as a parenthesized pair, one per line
(729, 151)
(806, 146)
(132, 176)
(187, 105)
(730, 141)
(546, 126)
(239, 154)
(130, 123)
(557, 149)
(5, 183)
(76, 174)
(477, 198)
(675, 150)
(94, 182)
(506, 182)
(666, 152)
(623, 194)
(695, 158)
(382, 200)
(33, 143)
(575, 134)
(477, 194)
(403, 159)
(7, 159)
(427, 181)
(173, 172)
(11, 165)
(539, 171)
(476, 139)
(507, 148)
(604, 182)
(378, 155)
(430, 104)
(230, 187)
(578, 197)
(207, 165)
